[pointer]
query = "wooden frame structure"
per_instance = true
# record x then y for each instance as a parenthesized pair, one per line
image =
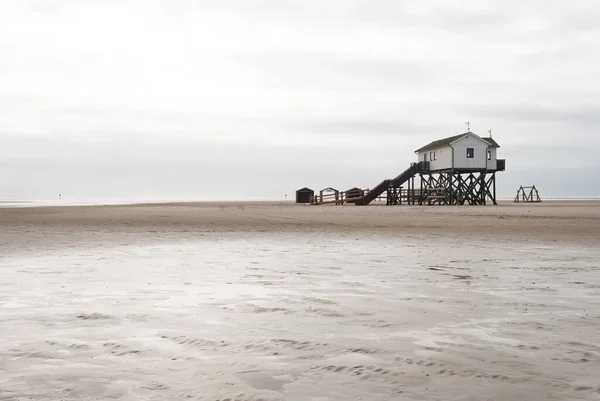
(532, 196)
(333, 196)
(352, 195)
(327, 195)
(458, 187)
(400, 195)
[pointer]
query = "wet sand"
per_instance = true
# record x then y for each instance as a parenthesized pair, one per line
(274, 301)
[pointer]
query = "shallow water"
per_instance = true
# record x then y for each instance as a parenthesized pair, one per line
(302, 317)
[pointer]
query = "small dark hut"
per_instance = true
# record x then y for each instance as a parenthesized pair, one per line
(304, 195)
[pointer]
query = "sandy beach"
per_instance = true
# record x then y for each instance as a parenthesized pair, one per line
(249, 301)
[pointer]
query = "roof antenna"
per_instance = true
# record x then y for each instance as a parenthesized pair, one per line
(490, 132)
(468, 127)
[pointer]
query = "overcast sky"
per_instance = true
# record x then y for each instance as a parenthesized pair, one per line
(256, 98)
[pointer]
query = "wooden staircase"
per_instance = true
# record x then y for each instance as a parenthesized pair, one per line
(383, 186)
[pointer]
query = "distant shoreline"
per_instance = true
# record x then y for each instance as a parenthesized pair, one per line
(67, 203)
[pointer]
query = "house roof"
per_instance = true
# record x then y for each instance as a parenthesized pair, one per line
(447, 141)
(492, 142)
(441, 142)
(305, 190)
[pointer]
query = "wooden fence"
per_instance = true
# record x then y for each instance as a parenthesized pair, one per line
(342, 197)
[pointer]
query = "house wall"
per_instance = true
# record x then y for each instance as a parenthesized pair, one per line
(479, 160)
(443, 158)
(491, 164)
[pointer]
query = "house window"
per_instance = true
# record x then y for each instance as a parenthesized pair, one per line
(425, 157)
(431, 156)
(434, 155)
(470, 153)
(489, 155)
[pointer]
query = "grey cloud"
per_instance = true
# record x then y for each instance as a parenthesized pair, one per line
(582, 116)
(374, 125)
(343, 72)
(371, 127)
(389, 13)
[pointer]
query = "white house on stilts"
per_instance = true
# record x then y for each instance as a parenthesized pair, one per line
(459, 170)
